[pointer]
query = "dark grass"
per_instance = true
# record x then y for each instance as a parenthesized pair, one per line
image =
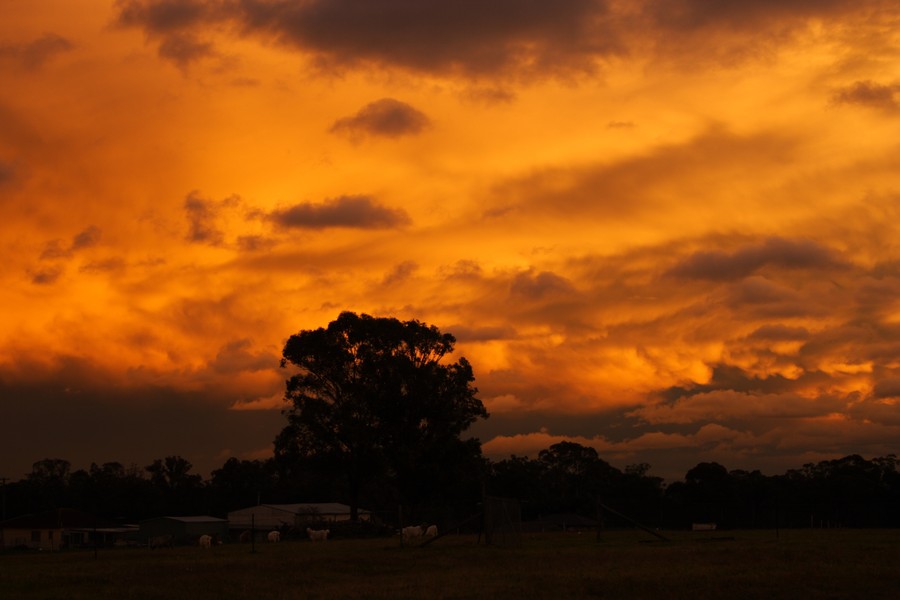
(796, 564)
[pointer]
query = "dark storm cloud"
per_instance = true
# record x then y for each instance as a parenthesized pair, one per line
(359, 212)
(54, 250)
(470, 37)
(176, 24)
(762, 298)
(742, 15)
(778, 252)
(887, 388)
(665, 177)
(76, 411)
(400, 273)
(184, 49)
(726, 377)
(202, 217)
(254, 243)
(386, 117)
(87, 238)
(468, 333)
(34, 54)
(238, 355)
(109, 265)
(47, 276)
(779, 333)
(870, 94)
(467, 36)
(541, 285)
(6, 172)
(476, 39)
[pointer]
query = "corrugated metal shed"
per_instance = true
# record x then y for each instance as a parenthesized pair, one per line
(184, 530)
(52, 529)
(276, 516)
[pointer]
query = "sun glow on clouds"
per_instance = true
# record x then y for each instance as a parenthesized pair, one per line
(662, 229)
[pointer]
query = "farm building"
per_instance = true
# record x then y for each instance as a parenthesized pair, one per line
(184, 530)
(55, 530)
(278, 516)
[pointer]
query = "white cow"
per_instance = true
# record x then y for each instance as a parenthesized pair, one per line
(318, 535)
(431, 531)
(274, 536)
(413, 531)
(205, 541)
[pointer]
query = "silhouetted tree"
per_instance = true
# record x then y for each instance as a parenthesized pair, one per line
(178, 489)
(577, 476)
(522, 478)
(372, 396)
(241, 483)
(48, 483)
(709, 490)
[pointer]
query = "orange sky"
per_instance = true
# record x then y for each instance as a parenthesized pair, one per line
(666, 229)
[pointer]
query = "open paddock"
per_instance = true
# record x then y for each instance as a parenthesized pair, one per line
(624, 564)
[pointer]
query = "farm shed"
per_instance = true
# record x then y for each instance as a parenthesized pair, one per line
(277, 516)
(53, 530)
(184, 530)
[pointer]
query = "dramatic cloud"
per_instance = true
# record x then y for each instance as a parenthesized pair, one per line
(665, 229)
(207, 217)
(184, 49)
(34, 54)
(504, 38)
(359, 212)
(6, 173)
(870, 94)
(47, 276)
(469, 37)
(88, 238)
(386, 117)
(782, 253)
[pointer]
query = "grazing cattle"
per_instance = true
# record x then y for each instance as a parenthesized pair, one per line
(413, 531)
(245, 536)
(318, 535)
(205, 541)
(161, 541)
(274, 536)
(431, 531)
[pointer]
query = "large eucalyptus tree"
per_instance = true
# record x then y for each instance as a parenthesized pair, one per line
(375, 397)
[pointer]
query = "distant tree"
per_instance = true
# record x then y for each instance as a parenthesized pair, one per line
(50, 469)
(709, 487)
(178, 489)
(48, 483)
(578, 476)
(173, 472)
(372, 397)
(241, 483)
(521, 478)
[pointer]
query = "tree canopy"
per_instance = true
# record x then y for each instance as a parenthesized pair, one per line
(373, 397)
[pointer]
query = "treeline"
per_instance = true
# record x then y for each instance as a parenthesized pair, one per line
(566, 479)
(570, 478)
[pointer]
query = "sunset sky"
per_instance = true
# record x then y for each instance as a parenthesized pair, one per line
(667, 229)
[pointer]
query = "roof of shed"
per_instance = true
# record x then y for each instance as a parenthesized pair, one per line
(321, 508)
(192, 519)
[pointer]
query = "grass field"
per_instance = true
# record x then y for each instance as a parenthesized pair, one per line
(795, 564)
